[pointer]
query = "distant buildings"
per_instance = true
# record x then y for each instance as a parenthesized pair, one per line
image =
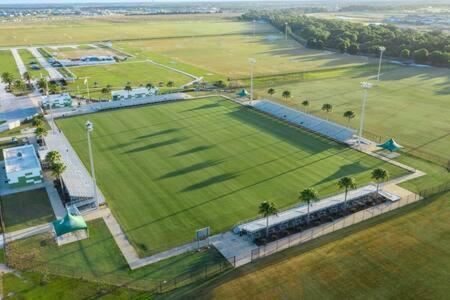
(57, 101)
(134, 93)
(22, 166)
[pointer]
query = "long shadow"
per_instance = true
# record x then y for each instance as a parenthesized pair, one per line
(210, 181)
(157, 133)
(193, 150)
(192, 168)
(156, 145)
(344, 170)
(205, 106)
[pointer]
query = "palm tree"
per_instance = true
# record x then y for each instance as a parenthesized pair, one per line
(271, 91)
(327, 107)
(349, 115)
(305, 104)
(37, 120)
(105, 91)
(128, 88)
(149, 86)
(379, 175)
(7, 78)
(27, 77)
(53, 157)
(41, 131)
(58, 169)
(41, 83)
(170, 83)
(286, 95)
(347, 183)
(267, 209)
(309, 195)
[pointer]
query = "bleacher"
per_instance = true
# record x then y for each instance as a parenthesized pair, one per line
(323, 127)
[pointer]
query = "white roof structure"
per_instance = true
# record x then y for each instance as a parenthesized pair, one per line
(20, 158)
(135, 92)
(56, 97)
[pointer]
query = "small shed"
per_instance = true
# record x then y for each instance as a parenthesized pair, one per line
(70, 229)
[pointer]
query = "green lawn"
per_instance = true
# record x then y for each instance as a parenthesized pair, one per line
(229, 55)
(169, 169)
(8, 64)
(99, 259)
(27, 58)
(30, 285)
(118, 75)
(402, 255)
(25, 209)
(410, 104)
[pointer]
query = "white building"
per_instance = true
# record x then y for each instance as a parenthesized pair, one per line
(57, 101)
(22, 166)
(134, 94)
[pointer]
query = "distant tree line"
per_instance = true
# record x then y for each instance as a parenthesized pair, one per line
(423, 47)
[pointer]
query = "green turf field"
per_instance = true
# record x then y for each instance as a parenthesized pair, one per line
(8, 64)
(228, 55)
(78, 30)
(410, 104)
(167, 170)
(27, 58)
(118, 75)
(404, 256)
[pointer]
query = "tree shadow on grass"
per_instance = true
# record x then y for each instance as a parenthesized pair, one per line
(209, 181)
(205, 106)
(189, 169)
(345, 170)
(193, 150)
(157, 133)
(156, 145)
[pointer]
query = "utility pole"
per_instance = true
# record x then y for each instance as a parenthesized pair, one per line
(89, 129)
(366, 86)
(252, 62)
(382, 49)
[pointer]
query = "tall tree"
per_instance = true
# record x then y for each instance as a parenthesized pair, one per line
(271, 91)
(349, 115)
(128, 88)
(27, 77)
(305, 104)
(309, 195)
(52, 157)
(57, 170)
(286, 95)
(347, 183)
(267, 209)
(379, 175)
(7, 78)
(41, 131)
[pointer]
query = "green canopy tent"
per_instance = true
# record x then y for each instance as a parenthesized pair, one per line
(70, 223)
(390, 145)
(243, 93)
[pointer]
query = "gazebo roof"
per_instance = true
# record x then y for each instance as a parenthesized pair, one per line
(390, 145)
(69, 223)
(243, 93)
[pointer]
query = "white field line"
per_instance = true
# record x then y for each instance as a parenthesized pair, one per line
(173, 69)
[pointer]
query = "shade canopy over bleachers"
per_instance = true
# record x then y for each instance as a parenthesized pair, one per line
(326, 128)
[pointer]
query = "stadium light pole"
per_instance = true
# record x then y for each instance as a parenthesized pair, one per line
(49, 104)
(366, 86)
(285, 30)
(382, 49)
(89, 129)
(254, 24)
(252, 62)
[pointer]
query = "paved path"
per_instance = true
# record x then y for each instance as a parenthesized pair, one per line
(25, 233)
(19, 61)
(53, 72)
(14, 108)
(55, 201)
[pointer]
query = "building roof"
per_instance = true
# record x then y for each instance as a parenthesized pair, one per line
(68, 224)
(55, 97)
(20, 158)
(135, 91)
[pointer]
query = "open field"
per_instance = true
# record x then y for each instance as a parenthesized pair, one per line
(27, 58)
(167, 170)
(410, 104)
(80, 51)
(99, 259)
(402, 255)
(79, 30)
(228, 55)
(8, 64)
(119, 74)
(22, 210)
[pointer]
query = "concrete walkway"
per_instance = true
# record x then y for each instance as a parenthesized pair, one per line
(19, 61)
(55, 201)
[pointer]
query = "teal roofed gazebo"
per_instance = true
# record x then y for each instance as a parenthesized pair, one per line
(390, 145)
(243, 93)
(70, 223)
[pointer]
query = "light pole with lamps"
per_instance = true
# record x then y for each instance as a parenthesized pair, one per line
(382, 49)
(366, 86)
(89, 129)
(285, 30)
(254, 29)
(252, 62)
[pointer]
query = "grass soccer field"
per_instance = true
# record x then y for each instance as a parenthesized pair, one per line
(118, 75)
(228, 55)
(410, 104)
(402, 255)
(169, 169)
(8, 64)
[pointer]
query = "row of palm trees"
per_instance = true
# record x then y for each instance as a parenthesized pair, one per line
(16, 84)
(310, 195)
(327, 107)
(57, 167)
